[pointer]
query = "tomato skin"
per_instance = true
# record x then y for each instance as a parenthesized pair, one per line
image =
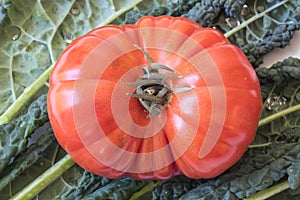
(208, 63)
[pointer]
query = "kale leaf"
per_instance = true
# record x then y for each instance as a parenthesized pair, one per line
(121, 189)
(30, 156)
(85, 185)
(175, 188)
(14, 136)
(275, 28)
(280, 87)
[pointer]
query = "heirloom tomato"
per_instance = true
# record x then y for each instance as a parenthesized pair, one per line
(153, 100)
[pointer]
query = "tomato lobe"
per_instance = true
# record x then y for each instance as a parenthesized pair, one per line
(153, 100)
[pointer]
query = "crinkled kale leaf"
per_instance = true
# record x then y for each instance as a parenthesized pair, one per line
(85, 185)
(120, 189)
(259, 169)
(14, 136)
(25, 160)
(280, 89)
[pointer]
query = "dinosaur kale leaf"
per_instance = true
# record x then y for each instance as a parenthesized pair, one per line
(121, 189)
(280, 89)
(85, 185)
(175, 188)
(169, 7)
(259, 169)
(206, 12)
(14, 136)
(255, 26)
(24, 161)
(274, 25)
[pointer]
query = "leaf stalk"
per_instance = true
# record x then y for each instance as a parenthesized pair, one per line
(44, 180)
(265, 194)
(25, 97)
(279, 114)
(252, 19)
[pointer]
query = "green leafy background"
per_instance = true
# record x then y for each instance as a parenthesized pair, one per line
(33, 33)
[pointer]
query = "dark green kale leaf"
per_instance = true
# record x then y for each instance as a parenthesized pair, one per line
(257, 171)
(273, 27)
(171, 8)
(203, 13)
(280, 90)
(207, 12)
(257, 27)
(120, 189)
(25, 160)
(85, 185)
(14, 136)
(174, 188)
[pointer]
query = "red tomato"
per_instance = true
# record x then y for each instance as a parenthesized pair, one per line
(153, 100)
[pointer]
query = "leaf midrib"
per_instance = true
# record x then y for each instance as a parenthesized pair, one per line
(254, 18)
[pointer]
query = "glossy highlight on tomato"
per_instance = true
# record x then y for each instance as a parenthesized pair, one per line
(108, 111)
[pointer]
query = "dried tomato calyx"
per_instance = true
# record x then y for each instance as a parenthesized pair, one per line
(154, 89)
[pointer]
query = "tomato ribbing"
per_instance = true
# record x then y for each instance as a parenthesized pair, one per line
(201, 94)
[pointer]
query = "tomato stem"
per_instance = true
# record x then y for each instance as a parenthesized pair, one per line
(154, 89)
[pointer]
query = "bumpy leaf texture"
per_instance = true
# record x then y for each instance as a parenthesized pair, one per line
(175, 188)
(280, 87)
(14, 136)
(35, 160)
(274, 29)
(121, 189)
(206, 12)
(30, 156)
(258, 170)
(85, 185)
